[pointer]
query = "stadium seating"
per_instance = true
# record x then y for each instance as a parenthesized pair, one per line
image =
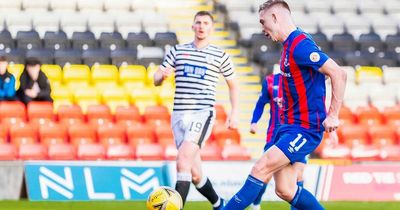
(99, 58)
(61, 152)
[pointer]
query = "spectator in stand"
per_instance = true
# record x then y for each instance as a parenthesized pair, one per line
(7, 81)
(34, 84)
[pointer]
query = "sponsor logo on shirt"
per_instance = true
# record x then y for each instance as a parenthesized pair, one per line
(194, 71)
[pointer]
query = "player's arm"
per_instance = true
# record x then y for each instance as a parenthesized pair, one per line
(338, 80)
(234, 99)
(259, 108)
(229, 74)
(166, 68)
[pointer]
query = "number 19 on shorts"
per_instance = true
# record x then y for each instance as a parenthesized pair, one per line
(296, 144)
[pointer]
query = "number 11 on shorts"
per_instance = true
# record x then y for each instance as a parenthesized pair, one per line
(293, 147)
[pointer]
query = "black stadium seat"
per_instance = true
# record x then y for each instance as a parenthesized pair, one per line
(166, 38)
(56, 40)
(6, 40)
(135, 39)
(269, 59)
(61, 57)
(322, 41)
(260, 44)
(84, 40)
(124, 56)
(370, 43)
(14, 55)
(111, 41)
(344, 43)
(45, 56)
(393, 43)
(99, 56)
(28, 40)
(358, 59)
(385, 59)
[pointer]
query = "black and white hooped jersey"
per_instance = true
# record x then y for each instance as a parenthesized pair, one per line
(196, 75)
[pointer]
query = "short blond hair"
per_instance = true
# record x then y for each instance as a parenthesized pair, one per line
(270, 3)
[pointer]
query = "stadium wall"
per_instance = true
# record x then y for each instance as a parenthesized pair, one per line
(134, 180)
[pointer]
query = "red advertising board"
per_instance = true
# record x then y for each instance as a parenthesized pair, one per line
(361, 183)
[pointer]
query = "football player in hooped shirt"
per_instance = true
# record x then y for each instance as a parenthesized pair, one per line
(304, 117)
(272, 93)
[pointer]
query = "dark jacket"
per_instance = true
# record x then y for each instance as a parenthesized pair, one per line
(7, 86)
(26, 82)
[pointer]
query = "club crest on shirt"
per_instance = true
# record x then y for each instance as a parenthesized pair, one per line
(314, 57)
(210, 59)
(7, 80)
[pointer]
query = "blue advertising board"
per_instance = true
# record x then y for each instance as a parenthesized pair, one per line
(93, 180)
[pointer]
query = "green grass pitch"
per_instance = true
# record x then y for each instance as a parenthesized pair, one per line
(26, 205)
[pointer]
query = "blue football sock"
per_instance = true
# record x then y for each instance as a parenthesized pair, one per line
(246, 195)
(257, 201)
(304, 200)
(300, 184)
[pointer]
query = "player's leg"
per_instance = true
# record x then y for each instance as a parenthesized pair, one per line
(299, 167)
(271, 161)
(203, 184)
(186, 154)
(196, 128)
(297, 196)
(297, 143)
(256, 205)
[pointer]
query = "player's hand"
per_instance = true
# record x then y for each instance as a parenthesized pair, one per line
(253, 128)
(167, 71)
(231, 121)
(331, 123)
(333, 139)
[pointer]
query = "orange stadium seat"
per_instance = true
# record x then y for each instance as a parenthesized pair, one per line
(339, 151)
(390, 153)
(12, 110)
(3, 133)
(354, 135)
(91, 152)
(170, 152)
(32, 152)
(149, 152)
(365, 153)
(81, 134)
(23, 133)
(382, 135)
(369, 115)
(156, 113)
(62, 152)
(235, 152)
(141, 134)
(70, 114)
(40, 111)
(53, 134)
(392, 115)
(164, 136)
(111, 134)
(127, 115)
(220, 112)
(210, 152)
(346, 116)
(8, 152)
(99, 114)
(120, 152)
(224, 136)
